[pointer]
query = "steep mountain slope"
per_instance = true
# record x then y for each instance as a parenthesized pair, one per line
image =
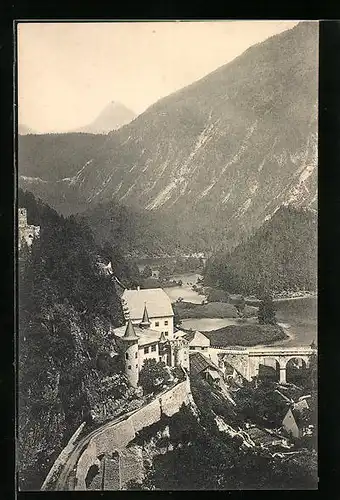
(50, 165)
(112, 117)
(279, 256)
(221, 155)
(63, 332)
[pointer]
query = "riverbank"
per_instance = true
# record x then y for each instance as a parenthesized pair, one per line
(299, 297)
(220, 310)
(246, 335)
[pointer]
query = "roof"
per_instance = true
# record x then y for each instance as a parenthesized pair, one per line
(157, 301)
(179, 333)
(199, 363)
(145, 337)
(301, 405)
(213, 374)
(145, 320)
(129, 333)
(301, 418)
(260, 436)
(197, 339)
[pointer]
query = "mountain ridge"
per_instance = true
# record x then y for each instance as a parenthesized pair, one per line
(233, 146)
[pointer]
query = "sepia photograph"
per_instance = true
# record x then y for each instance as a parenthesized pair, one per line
(167, 240)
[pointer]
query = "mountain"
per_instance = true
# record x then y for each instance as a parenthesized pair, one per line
(219, 156)
(24, 130)
(279, 256)
(112, 117)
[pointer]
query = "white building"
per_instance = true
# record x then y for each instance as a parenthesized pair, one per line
(197, 341)
(160, 312)
(140, 340)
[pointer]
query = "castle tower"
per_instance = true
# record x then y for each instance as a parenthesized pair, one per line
(130, 353)
(145, 323)
(26, 232)
(22, 217)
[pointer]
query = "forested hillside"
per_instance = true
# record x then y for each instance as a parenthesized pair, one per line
(218, 156)
(280, 256)
(66, 308)
(139, 233)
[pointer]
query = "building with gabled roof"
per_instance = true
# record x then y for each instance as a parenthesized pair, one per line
(197, 341)
(199, 363)
(139, 342)
(297, 419)
(160, 312)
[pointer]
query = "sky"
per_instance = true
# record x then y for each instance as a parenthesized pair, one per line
(69, 72)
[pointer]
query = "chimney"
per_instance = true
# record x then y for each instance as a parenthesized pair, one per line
(138, 288)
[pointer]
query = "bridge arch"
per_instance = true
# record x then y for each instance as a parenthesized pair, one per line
(296, 368)
(269, 368)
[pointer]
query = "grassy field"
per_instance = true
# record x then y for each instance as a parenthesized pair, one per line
(188, 310)
(245, 335)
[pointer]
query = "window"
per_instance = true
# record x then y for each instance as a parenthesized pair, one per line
(136, 355)
(129, 367)
(153, 348)
(160, 358)
(166, 333)
(146, 350)
(192, 348)
(156, 323)
(166, 322)
(136, 366)
(126, 355)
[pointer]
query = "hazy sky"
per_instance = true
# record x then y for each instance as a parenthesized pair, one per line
(68, 72)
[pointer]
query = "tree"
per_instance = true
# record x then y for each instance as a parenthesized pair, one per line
(240, 307)
(266, 313)
(177, 318)
(147, 272)
(152, 375)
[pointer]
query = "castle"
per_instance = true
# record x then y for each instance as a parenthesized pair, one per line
(26, 232)
(149, 332)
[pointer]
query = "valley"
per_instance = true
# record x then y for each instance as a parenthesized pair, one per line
(209, 157)
(167, 277)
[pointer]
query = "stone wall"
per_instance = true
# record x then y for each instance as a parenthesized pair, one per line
(238, 361)
(63, 457)
(171, 401)
(115, 437)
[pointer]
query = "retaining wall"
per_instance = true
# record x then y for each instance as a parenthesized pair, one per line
(116, 437)
(63, 457)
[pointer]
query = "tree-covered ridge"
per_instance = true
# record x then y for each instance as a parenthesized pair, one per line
(66, 308)
(280, 256)
(141, 233)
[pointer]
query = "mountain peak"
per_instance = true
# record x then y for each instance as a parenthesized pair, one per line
(24, 130)
(114, 116)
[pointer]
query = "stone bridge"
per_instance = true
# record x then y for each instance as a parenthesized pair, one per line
(248, 360)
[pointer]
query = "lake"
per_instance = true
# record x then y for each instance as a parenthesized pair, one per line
(298, 316)
(207, 324)
(185, 291)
